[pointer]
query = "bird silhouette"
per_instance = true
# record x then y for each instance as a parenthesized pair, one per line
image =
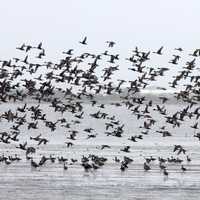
(84, 41)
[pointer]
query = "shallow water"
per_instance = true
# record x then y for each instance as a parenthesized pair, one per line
(20, 181)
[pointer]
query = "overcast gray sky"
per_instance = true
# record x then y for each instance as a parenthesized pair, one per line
(60, 24)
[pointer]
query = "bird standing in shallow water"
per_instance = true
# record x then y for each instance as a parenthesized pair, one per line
(165, 172)
(146, 167)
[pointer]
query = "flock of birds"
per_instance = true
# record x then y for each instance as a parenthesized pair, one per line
(79, 81)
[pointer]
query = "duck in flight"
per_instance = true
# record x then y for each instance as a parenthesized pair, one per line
(84, 41)
(110, 43)
(159, 52)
